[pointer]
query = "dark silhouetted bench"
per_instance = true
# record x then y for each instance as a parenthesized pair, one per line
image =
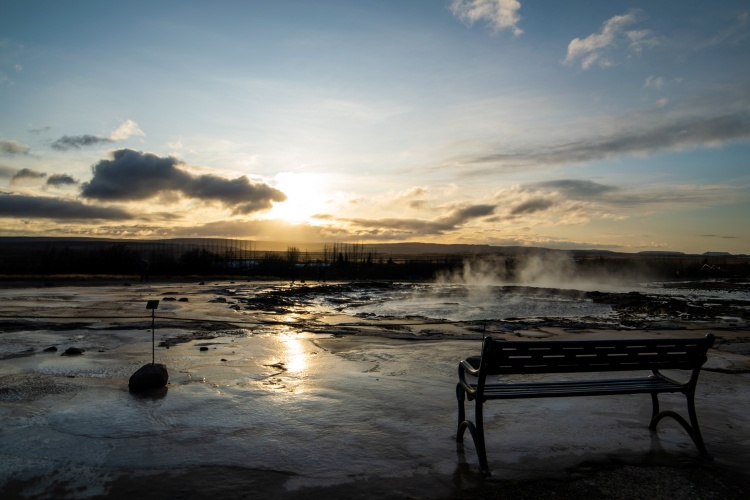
(501, 357)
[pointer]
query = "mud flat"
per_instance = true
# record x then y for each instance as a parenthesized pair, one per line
(273, 395)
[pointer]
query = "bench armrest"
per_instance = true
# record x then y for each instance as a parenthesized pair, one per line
(464, 367)
(468, 367)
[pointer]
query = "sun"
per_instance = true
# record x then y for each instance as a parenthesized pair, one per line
(306, 196)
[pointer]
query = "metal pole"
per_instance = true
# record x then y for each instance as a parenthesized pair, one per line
(153, 356)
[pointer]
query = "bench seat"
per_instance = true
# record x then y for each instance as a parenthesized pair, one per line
(501, 360)
(580, 388)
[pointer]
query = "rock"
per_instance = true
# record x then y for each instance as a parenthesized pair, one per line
(72, 351)
(183, 299)
(204, 348)
(51, 349)
(149, 377)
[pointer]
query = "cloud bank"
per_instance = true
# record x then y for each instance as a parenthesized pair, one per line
(395, 227)
(21, 206)
(636, 140)
(134, 176)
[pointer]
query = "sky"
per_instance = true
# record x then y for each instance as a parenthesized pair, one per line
(617, 125)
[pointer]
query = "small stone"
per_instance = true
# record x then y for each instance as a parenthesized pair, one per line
(72, 351)
(183, 299)
(204, 348)
(51, 349)
(223, 359)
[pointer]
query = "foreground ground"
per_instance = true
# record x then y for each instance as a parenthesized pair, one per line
(287, 403)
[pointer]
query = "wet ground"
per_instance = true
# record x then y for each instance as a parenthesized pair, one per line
(298, 392)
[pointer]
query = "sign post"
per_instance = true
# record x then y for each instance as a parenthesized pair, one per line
(152, 304)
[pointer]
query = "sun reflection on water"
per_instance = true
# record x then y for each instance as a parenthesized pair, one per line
(295, 357)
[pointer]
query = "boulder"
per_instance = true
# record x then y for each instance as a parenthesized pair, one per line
(72, 351)
(149, 377)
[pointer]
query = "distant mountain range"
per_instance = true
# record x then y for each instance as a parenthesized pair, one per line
(407, 248)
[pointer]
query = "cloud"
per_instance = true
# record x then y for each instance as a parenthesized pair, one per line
(654, 82)
(26, 174)
(587, 200)
(532, 206)
(499, 14)
(68, 142)
(732, 35)
(723, 237)
(11, 147)
(392, 227)
(14, 205)
(574, 188)
(39, 130)
(637, 140)
(6, 171)
(61, 180)
(132, 176)
(594, 48)
(127, 129)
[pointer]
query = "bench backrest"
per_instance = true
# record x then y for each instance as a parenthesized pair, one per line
(560, 356)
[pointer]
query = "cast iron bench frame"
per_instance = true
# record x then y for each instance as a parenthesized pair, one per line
(500, 357)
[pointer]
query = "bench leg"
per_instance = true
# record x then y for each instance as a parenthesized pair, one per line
(691, 428)
(479, 439)
(461, 397)
(476, 430)
(654, 410)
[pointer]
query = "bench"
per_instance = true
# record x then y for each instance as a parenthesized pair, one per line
(500, 357)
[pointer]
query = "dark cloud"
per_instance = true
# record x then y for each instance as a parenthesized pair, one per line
(68, 142)
(576, 188)
(13, 148)
(531, 206)
(133, 176)
(61, 180)
(14, 205)
(639, 139)
(241, 194)
(26, 173)
(420, 227)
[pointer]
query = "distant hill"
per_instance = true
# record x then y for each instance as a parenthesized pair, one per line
(404, 249)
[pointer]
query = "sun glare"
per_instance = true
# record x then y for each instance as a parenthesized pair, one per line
(306, 196)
